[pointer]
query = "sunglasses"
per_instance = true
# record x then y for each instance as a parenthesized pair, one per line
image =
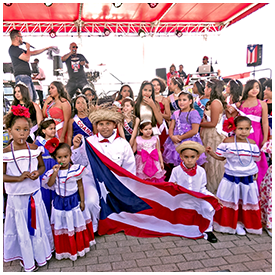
(75, 47)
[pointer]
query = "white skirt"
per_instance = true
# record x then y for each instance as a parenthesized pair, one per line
(18, 243)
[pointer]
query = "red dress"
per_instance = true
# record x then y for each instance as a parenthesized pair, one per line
(57, 115)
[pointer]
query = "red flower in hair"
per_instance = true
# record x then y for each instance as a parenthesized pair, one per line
(20, 111)
(52, 144)
(229, 125)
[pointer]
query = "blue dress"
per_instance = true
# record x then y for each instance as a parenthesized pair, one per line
(47, 195)
(78, 130)
(182, 126)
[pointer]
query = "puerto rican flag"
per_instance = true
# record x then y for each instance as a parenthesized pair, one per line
(144, 209)
(251, 55)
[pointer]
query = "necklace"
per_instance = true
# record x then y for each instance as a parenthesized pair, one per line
(12, 151)
(235, 139)
(58, 178)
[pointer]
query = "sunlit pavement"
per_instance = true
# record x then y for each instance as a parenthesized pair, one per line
(118, 253)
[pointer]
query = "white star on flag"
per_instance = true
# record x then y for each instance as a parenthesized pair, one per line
(104, 191)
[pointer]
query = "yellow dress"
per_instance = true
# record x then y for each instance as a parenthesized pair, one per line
(214, 168)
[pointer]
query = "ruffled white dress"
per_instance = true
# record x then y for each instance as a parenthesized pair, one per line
(18, 242)
(238, 191)
(72, 228)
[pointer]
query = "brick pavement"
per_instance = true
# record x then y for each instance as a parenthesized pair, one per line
(119, 252)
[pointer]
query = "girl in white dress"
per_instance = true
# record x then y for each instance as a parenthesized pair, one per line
(238, 189)
(71, 223)
(27, 232)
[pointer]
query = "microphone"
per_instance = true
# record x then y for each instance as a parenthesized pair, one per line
(30, 45)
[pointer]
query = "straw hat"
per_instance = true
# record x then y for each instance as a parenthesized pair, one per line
(106, 113)
(190, 145)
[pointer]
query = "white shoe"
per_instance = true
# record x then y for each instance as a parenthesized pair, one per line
(240, 231)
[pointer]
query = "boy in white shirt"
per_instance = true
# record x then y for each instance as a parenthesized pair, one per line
(193, 177)
(109, 143)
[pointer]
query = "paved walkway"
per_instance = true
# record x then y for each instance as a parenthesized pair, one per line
(120, 253)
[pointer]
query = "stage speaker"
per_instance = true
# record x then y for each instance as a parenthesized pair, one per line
(57, 65)
(161, 73)
(254, 55)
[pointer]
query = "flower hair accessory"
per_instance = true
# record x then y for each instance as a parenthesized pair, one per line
(229, 125)
(52, 144)
(20, 111)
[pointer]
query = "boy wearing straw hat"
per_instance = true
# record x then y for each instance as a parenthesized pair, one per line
(192, 176)
(109, 143)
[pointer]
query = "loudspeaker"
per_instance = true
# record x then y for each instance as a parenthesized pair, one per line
(57, 65)
(161, 73)
(254, 55)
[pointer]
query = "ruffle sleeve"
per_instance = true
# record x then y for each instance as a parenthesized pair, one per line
(222, 149)
(45, 180)
(77, 171)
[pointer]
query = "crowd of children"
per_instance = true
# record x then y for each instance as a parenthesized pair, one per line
(217, 144)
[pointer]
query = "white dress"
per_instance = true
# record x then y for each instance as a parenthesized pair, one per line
(72, 228)
(238, 191)
(18, 243)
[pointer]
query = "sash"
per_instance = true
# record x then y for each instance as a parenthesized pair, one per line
(82, 126)
(164, 126)
(32, 131)
(127, 127)
(198, 101)
(41, 140)
(173, 102)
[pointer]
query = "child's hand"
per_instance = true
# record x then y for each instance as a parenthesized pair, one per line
(176, 139)
(56, 168)
(255, 176)
(209, 150)
(24, 176)
(34, 175)
(82, 205)
(162, 166)
(220, 203)
(77, 141)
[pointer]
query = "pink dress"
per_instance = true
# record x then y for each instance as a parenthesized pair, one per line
(147, 160)
(255, 115)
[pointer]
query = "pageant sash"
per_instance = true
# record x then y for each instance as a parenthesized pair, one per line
(127, 127)
(83, 126)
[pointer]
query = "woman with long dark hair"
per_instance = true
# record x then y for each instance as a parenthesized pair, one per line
(22, 97)
(146, 107)
(211, 131)
(57, 106)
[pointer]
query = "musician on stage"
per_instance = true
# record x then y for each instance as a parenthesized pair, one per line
(20, 61)
(75, 63)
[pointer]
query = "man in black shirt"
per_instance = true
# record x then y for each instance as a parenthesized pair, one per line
(75, 62)
(20, 61)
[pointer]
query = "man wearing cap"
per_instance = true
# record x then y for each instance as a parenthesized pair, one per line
(205, 62)
(75, 63)
(193, 177)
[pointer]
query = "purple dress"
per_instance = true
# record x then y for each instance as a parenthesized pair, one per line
(182, 126)
(255, 115)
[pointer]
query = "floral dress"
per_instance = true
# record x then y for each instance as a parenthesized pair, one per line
(266, 191)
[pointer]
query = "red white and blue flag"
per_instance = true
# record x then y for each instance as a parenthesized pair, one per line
(251, 55)
(145, 209)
